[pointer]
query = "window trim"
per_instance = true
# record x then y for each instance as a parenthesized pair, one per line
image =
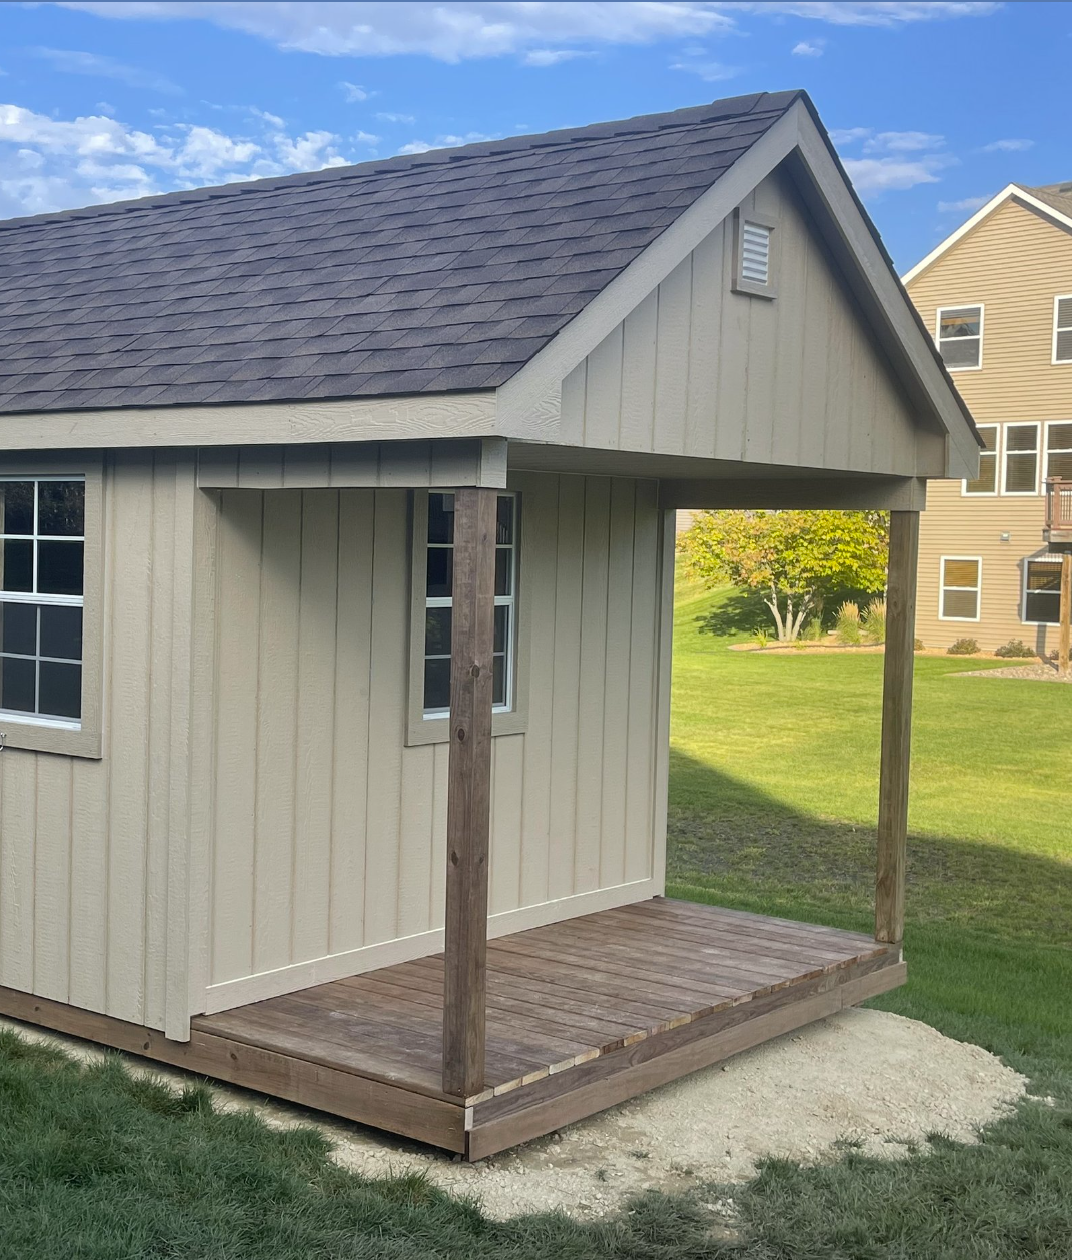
(959, 306)
(996, 452)
(1044, 458)
(978, 588)
(1054, 360)
(52, 735)
(1028, 561)
(1038, 452)
(421, 729)
(751, 287)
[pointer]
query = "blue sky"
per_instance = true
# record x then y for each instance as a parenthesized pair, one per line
(934, 106)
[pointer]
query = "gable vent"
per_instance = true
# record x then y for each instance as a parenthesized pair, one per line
(1062, 330)
(755, 253)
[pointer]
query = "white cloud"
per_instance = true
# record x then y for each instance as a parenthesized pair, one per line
(354, 92)
(73, 61)
(809, 48)
(416, 146)
(55, 163)
(874, 175)
(445, 142)
(873, 13)
(105, 108)
(1007, 146)
(365, 138)
(848, 135)
(383, 116)
(965, 204)
(903, 142)
(709, 71)
(273, 120)
(552, 56)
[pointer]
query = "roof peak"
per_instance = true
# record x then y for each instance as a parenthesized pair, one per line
(712, 111)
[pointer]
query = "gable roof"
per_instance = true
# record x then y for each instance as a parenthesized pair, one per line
(439, 272)
(1052, 200)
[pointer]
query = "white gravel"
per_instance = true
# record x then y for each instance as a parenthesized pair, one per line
(868, 1077)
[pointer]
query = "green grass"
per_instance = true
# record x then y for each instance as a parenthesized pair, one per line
(773, 793)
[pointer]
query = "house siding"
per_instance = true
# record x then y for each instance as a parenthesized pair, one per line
(1014, 263)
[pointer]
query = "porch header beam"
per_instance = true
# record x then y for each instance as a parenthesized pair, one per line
(469, 790)
(904, 494)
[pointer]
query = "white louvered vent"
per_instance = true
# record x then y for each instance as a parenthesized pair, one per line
(755, 253)
(1062, 330)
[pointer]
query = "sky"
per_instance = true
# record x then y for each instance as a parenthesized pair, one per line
(934, 107)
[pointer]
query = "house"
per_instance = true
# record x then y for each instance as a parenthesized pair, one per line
(338, 577)
(997, 296)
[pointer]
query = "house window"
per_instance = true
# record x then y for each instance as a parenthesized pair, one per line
(754, 254)
(960, 336)
(42, 553)
(1059, 450)
(987, 481)
(961, 581)
(1020, 474)
(1062, 328)
(1042, 592)
(439, 565)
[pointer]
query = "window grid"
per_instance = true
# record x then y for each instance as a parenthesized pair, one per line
(1059, 449)
(958, 589)
(1021, 462)
(1062, 328)
(961, 350)
(1042, 593)
(39, 599)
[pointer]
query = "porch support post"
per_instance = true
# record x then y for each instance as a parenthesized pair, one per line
(896, 726)
(469, 790)
(1065, 615)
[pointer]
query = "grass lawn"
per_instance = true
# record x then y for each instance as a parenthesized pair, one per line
(773, 791)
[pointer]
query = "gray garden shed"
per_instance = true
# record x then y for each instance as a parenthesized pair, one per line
(337, 590)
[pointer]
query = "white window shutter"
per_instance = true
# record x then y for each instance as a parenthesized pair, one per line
(755, 253)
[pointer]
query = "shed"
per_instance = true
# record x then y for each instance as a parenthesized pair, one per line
(338, 529)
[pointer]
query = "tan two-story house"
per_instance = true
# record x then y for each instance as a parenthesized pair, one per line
(997, 296)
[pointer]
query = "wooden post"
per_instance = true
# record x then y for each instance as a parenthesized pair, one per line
(1065, 615)
(469, 791)
(896, 726)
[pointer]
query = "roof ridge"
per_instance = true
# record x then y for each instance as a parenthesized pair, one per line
(726, 107)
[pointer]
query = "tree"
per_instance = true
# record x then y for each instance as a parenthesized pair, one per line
(797, 559)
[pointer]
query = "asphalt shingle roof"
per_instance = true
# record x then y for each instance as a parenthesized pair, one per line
(437, 272)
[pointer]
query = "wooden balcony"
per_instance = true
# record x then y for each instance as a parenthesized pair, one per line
(1057, 530)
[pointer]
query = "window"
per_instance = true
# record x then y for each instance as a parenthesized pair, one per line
(1059, 450)
(438, 568)
(1062, 329)
(1042, 592)
(960, 588)
(1020, 474)
(987, 481)
(42, 553)
(960, 336)
(754, 259)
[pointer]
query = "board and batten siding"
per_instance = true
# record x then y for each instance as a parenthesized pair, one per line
(328, 832)
(699, 370)
(93, 851)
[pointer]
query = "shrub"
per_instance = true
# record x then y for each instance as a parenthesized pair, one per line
(848, 626)
(813, 631)
(963, 647)
(761, 636)
(917, 646)
(1014, 648)
(875, 621)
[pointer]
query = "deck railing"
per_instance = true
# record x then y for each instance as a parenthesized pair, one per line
(1058, 526)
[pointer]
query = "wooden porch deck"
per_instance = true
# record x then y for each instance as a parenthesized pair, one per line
(580, 1016)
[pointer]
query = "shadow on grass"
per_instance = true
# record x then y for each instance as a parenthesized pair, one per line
(738, 611)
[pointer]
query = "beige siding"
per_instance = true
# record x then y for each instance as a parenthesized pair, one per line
(87, 847)
(699, 370)
(329, 832)
(1013, 263)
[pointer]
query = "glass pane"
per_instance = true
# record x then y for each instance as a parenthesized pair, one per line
(436, 684)
(59, 568)
(18, 629)
(61, 690)
(440, 571)
(18, 565)
(498, 680)
(963, 322)
(1043, 575)
(504, 527)
(1021, 473)
(1042, 606)
(61, 632)
(1059, 437)
(956, 353)
(61, 507)
(1021, 437)
(989, 434)
(441, 518)
(1060, 465)
(960, 604)
(18, 506)
(986, 482)
(437, 632)
(17, 681)
(504, 563)
(502, 627)
(961, 573)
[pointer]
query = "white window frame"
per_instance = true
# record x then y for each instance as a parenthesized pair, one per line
(978, 588)
(1045, 454)
(1058, 299)
(82, 737)
(1028, 561)
(1004, 456)
(960, 306)
(996, 453)
(508, 718)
